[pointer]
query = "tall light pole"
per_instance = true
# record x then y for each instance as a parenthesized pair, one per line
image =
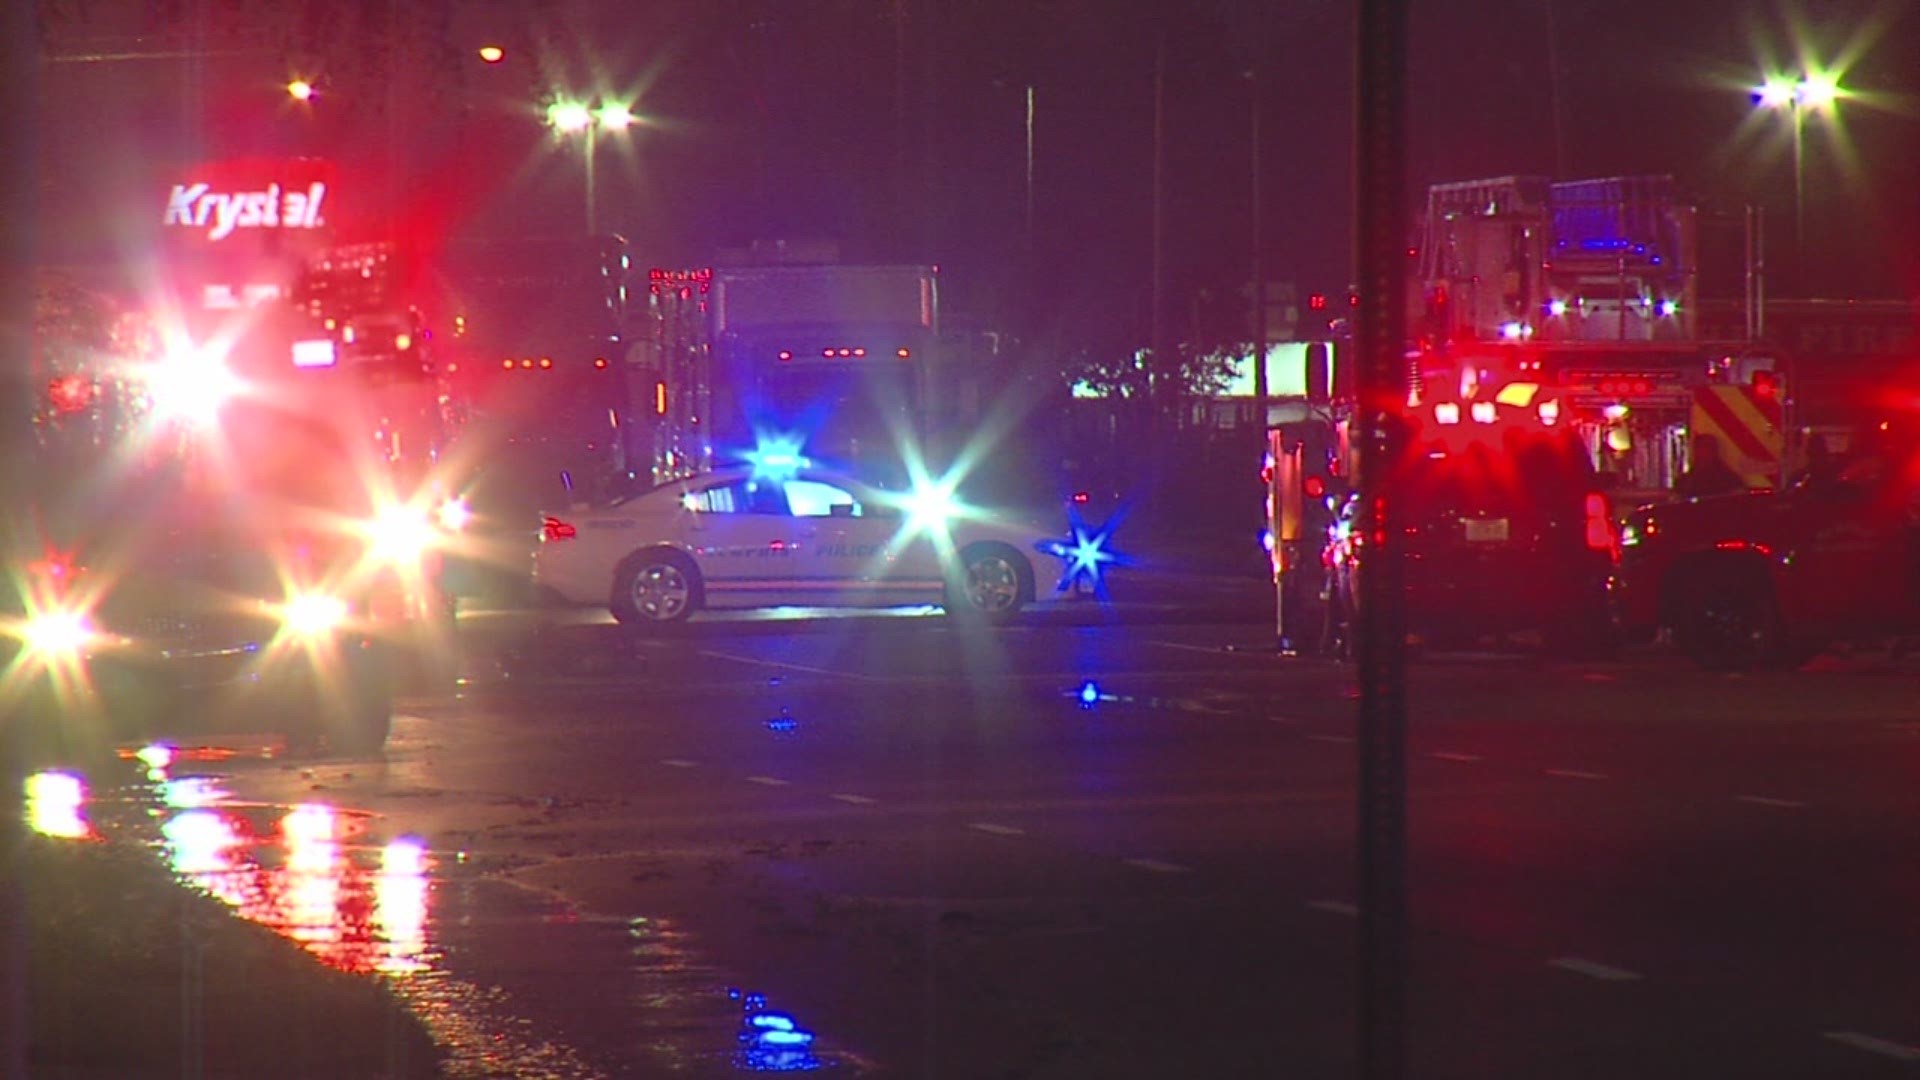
(1815, 93)
(579, 118)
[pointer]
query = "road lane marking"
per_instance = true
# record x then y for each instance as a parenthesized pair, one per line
(678, 762)
(769, 781)
(1217, 650)
(1592, 970)
(785, 666)
(1763, 800)
(1454, 755)
(1872, 1045)
(1337, 907)
(1574, 774)
(1331, 738)
(1158, 866)
(857, 800)
(997, 830)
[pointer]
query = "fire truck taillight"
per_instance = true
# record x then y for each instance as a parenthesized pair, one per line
(546, 362)
(600, 363)
(70, 393)
(552, 528)
(1600, 535)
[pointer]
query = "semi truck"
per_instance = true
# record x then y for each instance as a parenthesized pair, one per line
(841, 363)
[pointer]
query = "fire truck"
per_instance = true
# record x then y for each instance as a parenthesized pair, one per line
(236, 475)
(1589, 289)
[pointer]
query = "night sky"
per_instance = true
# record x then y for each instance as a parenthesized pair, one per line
(896, 128)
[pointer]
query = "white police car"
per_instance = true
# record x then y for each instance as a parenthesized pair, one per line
(746, 538)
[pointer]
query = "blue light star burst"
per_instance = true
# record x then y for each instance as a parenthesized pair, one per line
(1086, 555)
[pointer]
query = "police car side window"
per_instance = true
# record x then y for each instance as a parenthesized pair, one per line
(745, 497)
(811, 498)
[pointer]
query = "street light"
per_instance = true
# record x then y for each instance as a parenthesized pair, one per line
(1814, 92)
(575, 118)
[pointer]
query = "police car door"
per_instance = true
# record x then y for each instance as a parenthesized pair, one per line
(852, 542)
(745, 542)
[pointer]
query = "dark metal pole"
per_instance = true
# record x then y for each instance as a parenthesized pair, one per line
(1380, 231)
(1159, 218)
(21, 104)
(1259, 268)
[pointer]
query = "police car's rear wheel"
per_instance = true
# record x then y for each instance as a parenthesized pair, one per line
(655, 589)
(995, 581)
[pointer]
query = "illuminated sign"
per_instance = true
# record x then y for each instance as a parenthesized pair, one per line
(314, 354)
(198, 206)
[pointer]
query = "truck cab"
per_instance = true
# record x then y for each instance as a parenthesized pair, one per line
(1760, 579)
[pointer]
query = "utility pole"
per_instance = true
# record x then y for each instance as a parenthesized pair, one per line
(20, 101)
(1259, 265)
(1380, 230)
(1157, 316)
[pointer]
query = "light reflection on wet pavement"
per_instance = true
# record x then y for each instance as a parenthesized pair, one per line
(566, 996)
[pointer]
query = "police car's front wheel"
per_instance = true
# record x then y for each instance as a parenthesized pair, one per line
(994, 581)
(655, 588)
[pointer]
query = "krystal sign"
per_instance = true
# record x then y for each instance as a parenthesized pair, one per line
(199, 206)
(220, 201)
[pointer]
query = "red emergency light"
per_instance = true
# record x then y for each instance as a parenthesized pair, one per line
(70, 393)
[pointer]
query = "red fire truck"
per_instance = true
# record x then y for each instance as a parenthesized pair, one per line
(237, 477)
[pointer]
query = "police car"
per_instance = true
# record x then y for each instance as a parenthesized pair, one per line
(748, 537)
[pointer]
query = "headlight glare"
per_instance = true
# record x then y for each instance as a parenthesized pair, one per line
(57, 634)
(311, 615)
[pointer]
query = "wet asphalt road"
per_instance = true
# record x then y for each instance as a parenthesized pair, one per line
(924, 845)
